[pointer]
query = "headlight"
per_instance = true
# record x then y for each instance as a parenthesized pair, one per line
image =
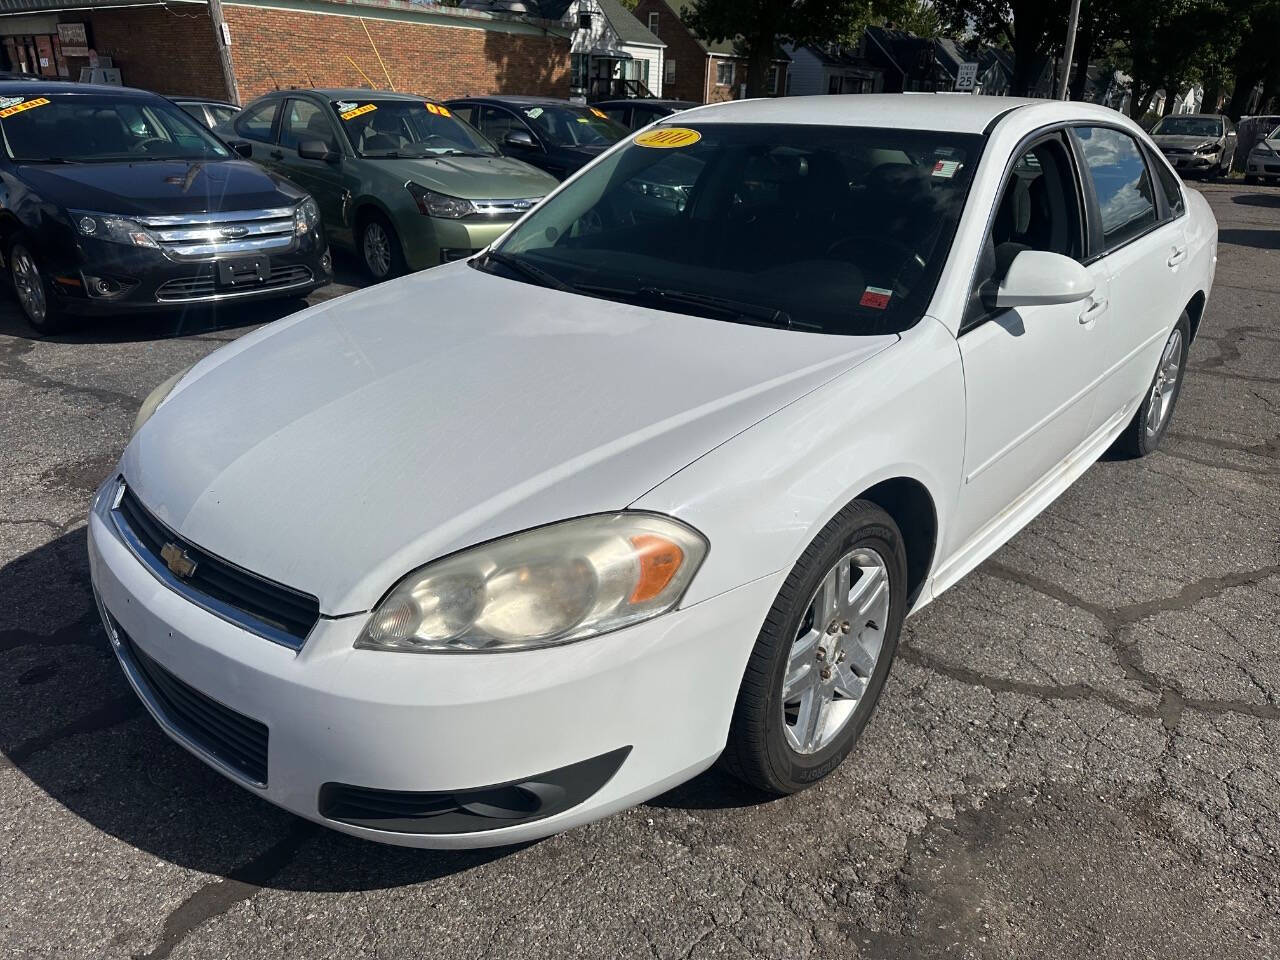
(434, 204)
(1208, 146)
(306, 217)
(540, 588)
(154, 399)
(109, 227)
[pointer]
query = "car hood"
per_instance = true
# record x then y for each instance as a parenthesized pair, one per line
(159, 187)
(1183, 142)
(338, 449)
(474, 178)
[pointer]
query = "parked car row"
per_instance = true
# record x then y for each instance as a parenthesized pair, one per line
(116, 200)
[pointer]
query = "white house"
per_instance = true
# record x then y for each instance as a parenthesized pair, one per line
(830, 68)
(613, 53)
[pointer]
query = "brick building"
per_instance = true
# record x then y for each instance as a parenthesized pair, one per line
(700, 70)
(169, 46)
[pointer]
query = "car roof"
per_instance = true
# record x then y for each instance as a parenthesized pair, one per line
(347, 93)
(30, 87)
(646, 101)
(944, 112)
(519, 100)
(214, 103)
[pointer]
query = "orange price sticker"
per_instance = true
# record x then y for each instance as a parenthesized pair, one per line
(667, 138)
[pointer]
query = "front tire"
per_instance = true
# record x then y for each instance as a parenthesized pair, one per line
(33, 291)
(1150, 423)
(379, 248)
(822, 657)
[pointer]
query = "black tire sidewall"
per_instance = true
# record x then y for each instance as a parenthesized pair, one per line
(793, 771)
(1149, 444)
(396, 258)
(50, 323)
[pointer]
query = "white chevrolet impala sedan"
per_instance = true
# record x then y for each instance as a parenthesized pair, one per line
(490, 551)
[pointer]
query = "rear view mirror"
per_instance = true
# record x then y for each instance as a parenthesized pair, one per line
(1037, 278)
(318, 150)
(242, 147)
(518, 138)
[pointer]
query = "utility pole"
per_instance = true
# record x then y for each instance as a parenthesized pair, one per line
(1064, 81)
(222, 40)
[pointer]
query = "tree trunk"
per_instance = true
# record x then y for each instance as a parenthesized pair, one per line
(1245, 82)
(1169, 98)
(1084, 50)
(759, 59)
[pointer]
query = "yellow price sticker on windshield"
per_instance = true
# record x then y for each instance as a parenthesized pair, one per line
(600, 113)
(665, 138)
(26, 105)
(350, 114)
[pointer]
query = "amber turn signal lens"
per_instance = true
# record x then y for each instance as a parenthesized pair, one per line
(659, 560)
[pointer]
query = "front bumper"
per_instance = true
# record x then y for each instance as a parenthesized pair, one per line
(427, 723)
(431, 241)
(146, 279)
(1193, 161)
(1263, 167)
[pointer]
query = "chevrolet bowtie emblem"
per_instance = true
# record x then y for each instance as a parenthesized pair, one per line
(177, 560)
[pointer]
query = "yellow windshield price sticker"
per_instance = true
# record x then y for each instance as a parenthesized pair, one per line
(358, 111)
(665, 138)
(27, 105)
(600, 113)
(438, 110)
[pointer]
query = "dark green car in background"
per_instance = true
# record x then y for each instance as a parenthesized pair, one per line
(400, 180)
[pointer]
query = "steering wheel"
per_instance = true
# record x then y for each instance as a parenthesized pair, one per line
(883, 245)
(142, 145)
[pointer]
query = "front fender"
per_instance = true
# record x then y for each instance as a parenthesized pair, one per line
(761, 497)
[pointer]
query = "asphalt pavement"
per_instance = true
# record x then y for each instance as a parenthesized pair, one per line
(1078, 753)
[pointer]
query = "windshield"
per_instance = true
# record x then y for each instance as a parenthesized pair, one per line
(408, 128)
(836, 229)
(1189, 127)
(86, 128)
(569, 125)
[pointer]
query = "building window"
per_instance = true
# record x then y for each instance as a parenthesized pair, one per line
(653, 23)
(833, 84)
(584, 20)
(669, 71)
(772, 82)
(577, 71)
(724, 73)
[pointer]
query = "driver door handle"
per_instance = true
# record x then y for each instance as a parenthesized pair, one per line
(1096, 309)
(277, 155)
(1179, 254)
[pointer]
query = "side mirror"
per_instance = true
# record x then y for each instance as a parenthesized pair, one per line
(1037, 277)
(519, 138)
(318, 150)
(242, 147)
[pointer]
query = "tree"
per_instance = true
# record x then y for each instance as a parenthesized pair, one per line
(1031, 29)
(1257, 57)
(757, 26)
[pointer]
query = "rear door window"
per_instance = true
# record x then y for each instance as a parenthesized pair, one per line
(257, 122)
(1121, 182)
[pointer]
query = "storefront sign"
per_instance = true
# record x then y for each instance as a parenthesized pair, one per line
(73, 34)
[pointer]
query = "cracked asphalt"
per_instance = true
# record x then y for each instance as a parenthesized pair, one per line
(1077, 753)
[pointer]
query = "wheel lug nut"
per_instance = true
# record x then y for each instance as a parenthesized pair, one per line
(833, 626)
(826, 673)
(822, 654)
(845, 627)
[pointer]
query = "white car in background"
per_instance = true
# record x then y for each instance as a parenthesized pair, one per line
(1263, 163)
(475, 556)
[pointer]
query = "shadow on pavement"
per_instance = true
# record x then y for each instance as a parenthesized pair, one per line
(1257, 199)
(1258, 239)
(72, 725)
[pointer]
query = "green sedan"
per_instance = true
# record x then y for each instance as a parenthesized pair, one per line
(400, 180)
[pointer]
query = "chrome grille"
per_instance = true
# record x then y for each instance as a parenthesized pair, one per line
(505, 208)
(196, 236)
(205, 286)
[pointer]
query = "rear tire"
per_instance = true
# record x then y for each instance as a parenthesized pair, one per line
(1150, 423)
(379, 248)
(32, 289)
(819, 664)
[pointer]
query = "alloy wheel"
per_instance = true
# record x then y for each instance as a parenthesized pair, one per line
(376, 247)
(1160, 402)
(835, 651)
(28, 284)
